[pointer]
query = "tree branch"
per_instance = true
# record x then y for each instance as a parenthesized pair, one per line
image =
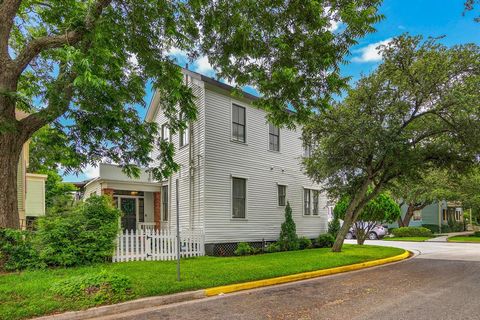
(36, 46)
(8, 10)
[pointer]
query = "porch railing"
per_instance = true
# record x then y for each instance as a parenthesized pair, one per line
(135, 245)
(146, 226)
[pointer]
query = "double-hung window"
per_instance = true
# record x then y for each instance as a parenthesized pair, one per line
(164, 203)
(282, 195)
(239, 197)
(311, 202)
(274, 138)
(238, 123)
(183, 133)
(165, 132)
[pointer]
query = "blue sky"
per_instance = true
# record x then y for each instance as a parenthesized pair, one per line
(430, 18)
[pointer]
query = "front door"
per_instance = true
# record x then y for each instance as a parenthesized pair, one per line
(129, 209)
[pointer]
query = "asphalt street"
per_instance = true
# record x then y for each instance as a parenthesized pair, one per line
(441, 282)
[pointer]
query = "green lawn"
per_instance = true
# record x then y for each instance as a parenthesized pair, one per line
(464, 239)
(414, 239)
(29, 294)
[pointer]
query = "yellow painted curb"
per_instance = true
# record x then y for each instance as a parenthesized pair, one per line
(301, 276)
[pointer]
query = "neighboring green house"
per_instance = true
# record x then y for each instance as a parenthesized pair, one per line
(437, 213)
(30, 187)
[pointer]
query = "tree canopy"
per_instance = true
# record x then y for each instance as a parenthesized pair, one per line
(83, 66)
(419, 110)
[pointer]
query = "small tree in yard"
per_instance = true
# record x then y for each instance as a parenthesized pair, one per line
(419, 110)
(380, 210)
(288, 235)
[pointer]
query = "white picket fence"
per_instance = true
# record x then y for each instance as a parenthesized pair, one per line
(135, 245)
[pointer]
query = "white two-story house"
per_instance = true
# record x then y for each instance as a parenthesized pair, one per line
(237, 172)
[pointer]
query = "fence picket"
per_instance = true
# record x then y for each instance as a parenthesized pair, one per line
(148, 244)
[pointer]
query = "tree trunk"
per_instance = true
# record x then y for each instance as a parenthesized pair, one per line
(10, 149)
(408, 215)
(353, 209)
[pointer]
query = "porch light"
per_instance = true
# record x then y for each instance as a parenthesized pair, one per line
(134, 193)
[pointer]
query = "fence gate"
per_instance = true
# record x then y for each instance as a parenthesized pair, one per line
(137, 245)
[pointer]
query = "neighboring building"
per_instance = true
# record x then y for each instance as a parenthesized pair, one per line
(30, 187)
(237, 172)
(438, 213)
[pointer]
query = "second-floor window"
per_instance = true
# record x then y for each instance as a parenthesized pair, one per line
(274, 138)
(165, 132)
(238, 123)
(183, 133)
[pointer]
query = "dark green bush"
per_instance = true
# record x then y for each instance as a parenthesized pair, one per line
(412, 232)
(325, 240)
(273, 247)
(243, 249)
(432, 227)
(83, 236)
(17, 251)
(304, 243)
(476, 234)
(288, 235)
(334, 227)
(102, 287)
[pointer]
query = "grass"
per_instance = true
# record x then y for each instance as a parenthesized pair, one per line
(29, 294)
(471, 238)
(414, 239)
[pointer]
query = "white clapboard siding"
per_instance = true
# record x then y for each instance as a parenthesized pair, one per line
(149, 245)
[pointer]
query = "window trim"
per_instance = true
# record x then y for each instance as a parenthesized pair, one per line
(183, 134)
(165, 125)
(271, 134)
(311, 214)
(232, 177)
(244, 125)
(278, 195)
(162, 207)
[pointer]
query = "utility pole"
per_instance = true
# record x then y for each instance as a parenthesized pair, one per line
(178, 229)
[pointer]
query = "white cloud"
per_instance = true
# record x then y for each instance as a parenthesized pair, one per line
(203, 66)
(370, 53)
(91, 171)
(334, 25)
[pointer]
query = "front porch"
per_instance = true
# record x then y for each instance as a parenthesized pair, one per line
(144, 203)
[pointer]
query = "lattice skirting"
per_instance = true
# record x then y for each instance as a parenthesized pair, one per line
(228, 249)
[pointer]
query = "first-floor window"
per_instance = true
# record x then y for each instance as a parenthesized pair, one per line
(444, 213)
(306, 201)
(311, 202)
(282, 195)
(315, 202)
(238, 197)
(165, 203)
(417, 215)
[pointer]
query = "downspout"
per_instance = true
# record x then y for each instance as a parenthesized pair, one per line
(190, 168)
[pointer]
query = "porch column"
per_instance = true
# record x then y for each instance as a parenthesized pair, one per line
(156, 209)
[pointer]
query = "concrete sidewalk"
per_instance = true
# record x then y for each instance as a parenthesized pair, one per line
(444, 237)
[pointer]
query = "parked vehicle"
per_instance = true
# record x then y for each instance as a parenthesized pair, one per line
(377, 232)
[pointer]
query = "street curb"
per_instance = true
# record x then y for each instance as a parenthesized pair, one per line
(109, 310)
(302, 276)
(143, 303)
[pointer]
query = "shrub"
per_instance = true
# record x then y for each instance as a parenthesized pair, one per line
(412, 232)
(476, 234)
(17, 251)
(432, 227)
(243, 249)
(102, 287)
(325, 240)
(304, 243)
(288, 235)
(273, 247)
(83, 236)
(334, 227)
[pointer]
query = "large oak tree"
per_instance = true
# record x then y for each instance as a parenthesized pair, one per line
(419, 110)
(81, 66)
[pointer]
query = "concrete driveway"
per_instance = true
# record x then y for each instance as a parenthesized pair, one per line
(441, 282)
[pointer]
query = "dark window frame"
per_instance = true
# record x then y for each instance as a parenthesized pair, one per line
(238, 197)
(273, 134)
(281, 197)
(164, 203)
(238, 124)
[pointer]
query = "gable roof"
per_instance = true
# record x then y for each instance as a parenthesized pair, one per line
(210, 83)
